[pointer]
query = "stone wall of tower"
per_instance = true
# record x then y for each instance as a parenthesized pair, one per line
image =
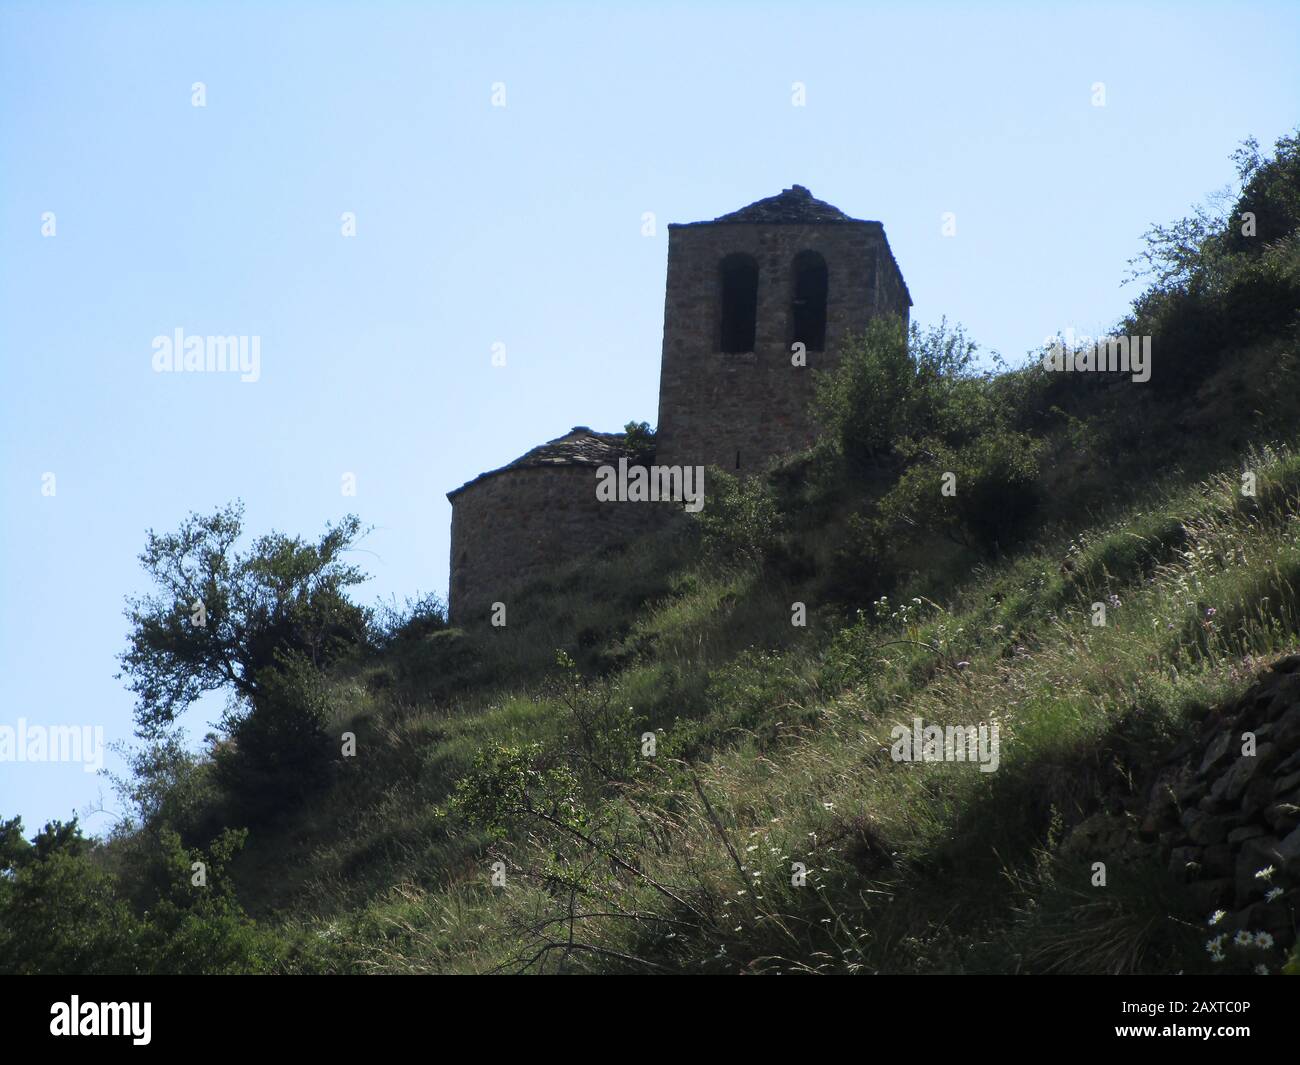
(738, 411)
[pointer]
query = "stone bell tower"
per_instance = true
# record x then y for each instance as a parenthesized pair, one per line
(742, 291)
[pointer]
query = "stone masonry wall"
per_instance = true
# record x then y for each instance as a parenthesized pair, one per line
(511, 527)
(715, 406)
(1218, 816)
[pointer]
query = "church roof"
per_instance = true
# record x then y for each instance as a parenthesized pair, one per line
(793, 206)
(580, 446)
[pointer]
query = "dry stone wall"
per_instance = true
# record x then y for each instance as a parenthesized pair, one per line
(1218, 816)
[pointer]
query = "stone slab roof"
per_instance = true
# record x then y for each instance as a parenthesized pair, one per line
(795, 206)
(580, 446)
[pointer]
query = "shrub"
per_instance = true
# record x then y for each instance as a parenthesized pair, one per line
(740, 521)
(278, 750)
(993, 490)
(869, 400)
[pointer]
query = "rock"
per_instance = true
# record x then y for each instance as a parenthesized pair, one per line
(1185, 863)
(1287, 784)
(1245, 832)
(1207, 829)
(1243, 772)
(1217, 860)
(1259, 793)
(1286, 734)
(1290, 764)
(1289, 664)
(1217, 754)
(1288, 853)
(1282, 817)
(1286, 691)
(1211, 895)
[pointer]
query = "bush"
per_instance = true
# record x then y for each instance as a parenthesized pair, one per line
(740, 521)
(993, 491)
(278, 751)
(869, 400)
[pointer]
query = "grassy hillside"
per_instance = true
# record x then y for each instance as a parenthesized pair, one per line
(654, 767)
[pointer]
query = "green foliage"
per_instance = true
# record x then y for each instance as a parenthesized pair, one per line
(1217, 287)
(993, 493)
(871, 398)
(510, 785)
(282, 597)
(61, 911)
(601, 735)
(639, 438)
(740, 520)
(278, 749)
(392, 626)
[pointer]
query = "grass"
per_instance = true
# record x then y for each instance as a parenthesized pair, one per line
(773, 749)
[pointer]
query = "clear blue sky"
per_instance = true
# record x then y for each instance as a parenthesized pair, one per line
(519, 225)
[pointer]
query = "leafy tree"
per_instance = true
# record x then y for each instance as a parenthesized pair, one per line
(891, 387)
(58, 912)
(225, 619)
(868, 401)
(639, 438)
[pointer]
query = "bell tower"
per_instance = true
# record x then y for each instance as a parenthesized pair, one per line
(742, 292)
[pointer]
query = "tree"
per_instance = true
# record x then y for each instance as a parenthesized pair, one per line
(222, 619)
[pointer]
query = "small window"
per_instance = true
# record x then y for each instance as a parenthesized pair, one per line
(739, 283)
(808, 307)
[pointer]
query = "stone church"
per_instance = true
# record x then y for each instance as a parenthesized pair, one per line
(742, 292)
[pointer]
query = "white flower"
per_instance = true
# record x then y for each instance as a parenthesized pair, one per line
(1263, 939)
(1243, 938)
(1216, 917)
(1261, 970)
(1266, 873)
(1273, 893)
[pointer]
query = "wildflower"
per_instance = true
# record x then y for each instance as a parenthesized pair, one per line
(1264, 940)
(1113, 600)
(1210, 611)
(1243, 939)
(1261, 970)
(1215, 948)
(1273, 893)
(1216, 917)
(1266, 873)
